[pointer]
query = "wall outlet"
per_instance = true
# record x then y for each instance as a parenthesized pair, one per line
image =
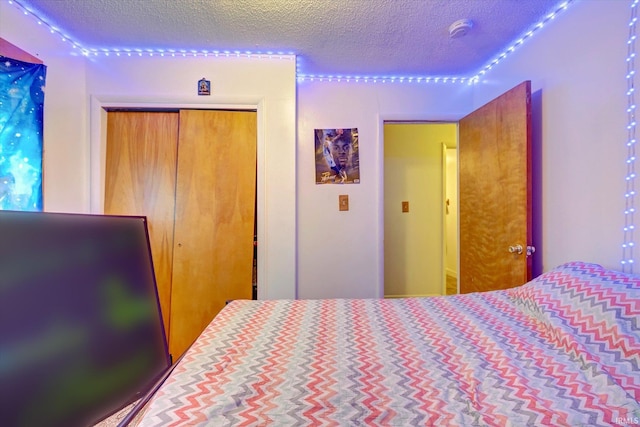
(405, 206)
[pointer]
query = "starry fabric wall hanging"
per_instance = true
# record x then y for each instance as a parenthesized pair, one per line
(21, 123)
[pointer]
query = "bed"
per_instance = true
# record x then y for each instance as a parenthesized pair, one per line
(561, 350)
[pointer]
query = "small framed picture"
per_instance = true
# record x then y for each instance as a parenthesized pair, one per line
(337, 156)
(204, 87)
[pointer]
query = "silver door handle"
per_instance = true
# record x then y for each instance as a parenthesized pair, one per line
(518, 249)
(515, 249)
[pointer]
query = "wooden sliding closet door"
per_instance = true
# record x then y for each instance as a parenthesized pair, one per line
(214, 220)
(193, 174)
(140, 179)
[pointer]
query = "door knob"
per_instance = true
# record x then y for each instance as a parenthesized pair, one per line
(515, 249)
(518, 249)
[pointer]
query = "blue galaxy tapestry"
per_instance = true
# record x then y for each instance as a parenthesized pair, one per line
(21, 107)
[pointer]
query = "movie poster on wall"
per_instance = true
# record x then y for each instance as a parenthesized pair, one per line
(337, 160)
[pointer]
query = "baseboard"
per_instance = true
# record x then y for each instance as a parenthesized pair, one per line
(413, 296)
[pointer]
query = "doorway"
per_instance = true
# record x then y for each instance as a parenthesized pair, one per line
(494, 190)
(420, 243)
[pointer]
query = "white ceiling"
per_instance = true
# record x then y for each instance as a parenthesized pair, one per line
(330, 37)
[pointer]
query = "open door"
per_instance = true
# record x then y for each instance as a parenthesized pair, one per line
(494, 150)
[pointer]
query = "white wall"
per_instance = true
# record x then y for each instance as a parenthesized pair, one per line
(74, 127)
(577, 68)
(65, 171)
(340, 253)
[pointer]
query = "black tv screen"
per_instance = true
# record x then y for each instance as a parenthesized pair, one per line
(81, 333)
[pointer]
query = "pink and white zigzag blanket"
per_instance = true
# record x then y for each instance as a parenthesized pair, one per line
(561, 350)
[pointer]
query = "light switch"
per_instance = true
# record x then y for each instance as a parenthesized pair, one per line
(405, 206)
(343, 202)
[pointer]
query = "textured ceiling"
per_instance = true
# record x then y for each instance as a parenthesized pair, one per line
(330, 37)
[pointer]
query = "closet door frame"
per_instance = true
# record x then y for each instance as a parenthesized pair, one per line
(98, 149)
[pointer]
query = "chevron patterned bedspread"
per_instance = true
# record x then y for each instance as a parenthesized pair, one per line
(561, 350)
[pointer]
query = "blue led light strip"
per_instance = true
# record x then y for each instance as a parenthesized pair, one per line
(378, 79)
(290, 55)
(469, 80)
(52, 29)
(152, 52)
(561, 7)
(630, 192)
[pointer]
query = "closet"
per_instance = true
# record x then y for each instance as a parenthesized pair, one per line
(193, 174)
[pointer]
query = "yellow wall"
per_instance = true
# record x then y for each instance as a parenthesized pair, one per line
(413, 241)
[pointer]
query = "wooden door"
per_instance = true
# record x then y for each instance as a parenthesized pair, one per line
(140, 179)
(495, 192)
(192, 173)
(214, 218)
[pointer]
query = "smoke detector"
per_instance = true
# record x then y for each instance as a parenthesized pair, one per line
(460, 28)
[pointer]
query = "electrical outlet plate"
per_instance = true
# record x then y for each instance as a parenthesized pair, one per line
(405, 206)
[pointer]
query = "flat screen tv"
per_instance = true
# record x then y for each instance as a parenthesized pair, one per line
(81, 332)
